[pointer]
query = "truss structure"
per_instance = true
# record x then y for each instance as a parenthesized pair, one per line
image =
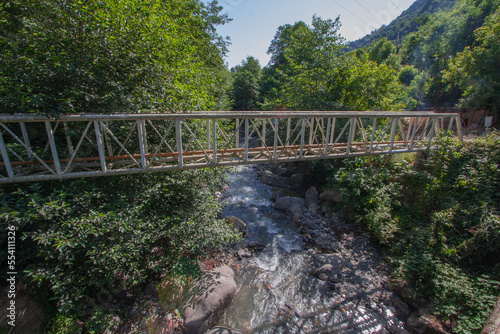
(36, 148)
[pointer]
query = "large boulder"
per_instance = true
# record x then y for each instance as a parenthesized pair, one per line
(237, 223)
(284, 203)
(311, 197)
(207, 299)
(331, 196)
(270, 179)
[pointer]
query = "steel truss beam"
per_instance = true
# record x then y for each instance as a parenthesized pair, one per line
(36, 148)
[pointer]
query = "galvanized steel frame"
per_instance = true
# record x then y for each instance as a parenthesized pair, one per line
(143, 143)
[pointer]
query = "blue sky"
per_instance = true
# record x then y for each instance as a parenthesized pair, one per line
(255, 21)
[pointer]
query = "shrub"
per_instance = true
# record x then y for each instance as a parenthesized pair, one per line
(440, 221)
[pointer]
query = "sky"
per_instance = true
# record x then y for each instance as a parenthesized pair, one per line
(255, 22)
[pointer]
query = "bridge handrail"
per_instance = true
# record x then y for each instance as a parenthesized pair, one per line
(13, 118)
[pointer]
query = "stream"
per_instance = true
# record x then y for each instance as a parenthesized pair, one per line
(277, 292)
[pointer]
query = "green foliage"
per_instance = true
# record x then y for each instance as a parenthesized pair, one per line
(109, 56)
(381, 50)
(440, 220)
(63, 324)
(475, 69)
(89, 240)
(246, 85)
(309, 71)
(409, 21)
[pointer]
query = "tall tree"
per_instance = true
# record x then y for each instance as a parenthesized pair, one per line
(476, 70)
(108, 56)
(245, 90)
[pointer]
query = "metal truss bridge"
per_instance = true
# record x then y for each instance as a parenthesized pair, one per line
(36, 148)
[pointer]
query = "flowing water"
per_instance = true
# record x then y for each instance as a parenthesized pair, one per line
(276, 292)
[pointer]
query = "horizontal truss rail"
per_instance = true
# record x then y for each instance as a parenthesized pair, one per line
(36, 148)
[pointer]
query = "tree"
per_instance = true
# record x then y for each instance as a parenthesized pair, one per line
(302, 59)
(245, 90)
(476, 70)
(309, 71)
(108, 56)
(381, 50)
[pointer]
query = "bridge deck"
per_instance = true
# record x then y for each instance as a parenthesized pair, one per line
(36, 148)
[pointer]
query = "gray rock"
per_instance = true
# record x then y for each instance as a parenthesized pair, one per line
(270, 179)
(425, 324)
(312, 196)
(313, 208)
(207, 299)
(326, 272)
(331, 196)
(284, 203)
(276, 195)
(401, 307)
(337, 261)
(295, 210)
(241, 253)
(257, 246)
(394, 329)
(237, 223)
(327, 242)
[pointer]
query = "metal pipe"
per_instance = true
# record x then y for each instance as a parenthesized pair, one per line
(100, 148)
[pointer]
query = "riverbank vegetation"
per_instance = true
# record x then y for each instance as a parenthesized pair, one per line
(439, 221)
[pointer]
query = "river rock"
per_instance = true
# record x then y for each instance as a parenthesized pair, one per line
(237, 223)
(256, 246)
(207, 299)
(335, 260)
(313, 208)
(331, 196)
(426, 324)
(270, 179)
(284, 203)
(326, 272)
(277, 194)
(311, 197)
(295, 210)
(327, 242)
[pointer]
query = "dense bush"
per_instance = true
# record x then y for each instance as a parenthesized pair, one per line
(89, 239)
(440, 221)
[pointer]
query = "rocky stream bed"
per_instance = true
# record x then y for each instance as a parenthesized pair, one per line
(299, 269)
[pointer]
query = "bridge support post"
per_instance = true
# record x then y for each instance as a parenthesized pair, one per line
(275, 139)
(246, 139)
(100, 146)
(214, 140)
(393, 132)
(142, 143)
(352, 134)
(53, 148)
(178, 135)
(5, 157)
(327, 139)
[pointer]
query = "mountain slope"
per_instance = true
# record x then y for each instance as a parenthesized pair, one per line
(409, 21)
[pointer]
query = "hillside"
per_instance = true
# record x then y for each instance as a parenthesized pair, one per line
(409, 21)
